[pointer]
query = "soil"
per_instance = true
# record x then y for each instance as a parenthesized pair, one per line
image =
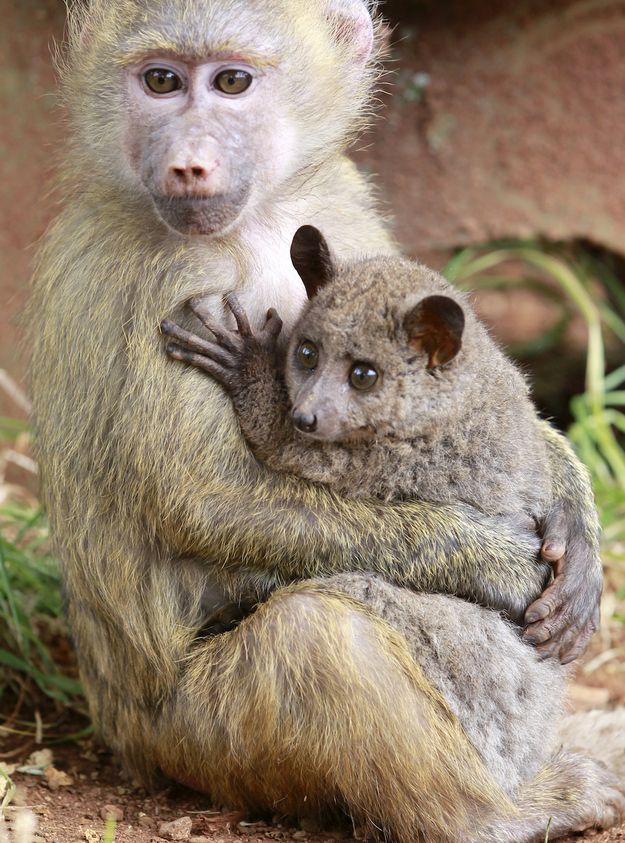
(76, 813)
(73, 798)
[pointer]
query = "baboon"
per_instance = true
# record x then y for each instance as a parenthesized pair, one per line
(204, 135)
(391, 387)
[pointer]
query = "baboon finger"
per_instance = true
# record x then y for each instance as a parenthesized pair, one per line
(555, 531)
(546, 604)
(218, 372)
(538, 633)
(547, 650)
(239, 314)
(553, 550)
(223, 335)
(575, 644)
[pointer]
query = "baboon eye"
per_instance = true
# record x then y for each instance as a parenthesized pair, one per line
(233, 81)
(308, 355)
(162, 81)
(362, 376)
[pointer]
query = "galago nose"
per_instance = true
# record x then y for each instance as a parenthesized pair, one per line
(306, 422)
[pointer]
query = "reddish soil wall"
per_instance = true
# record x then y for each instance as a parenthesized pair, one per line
(507, 118)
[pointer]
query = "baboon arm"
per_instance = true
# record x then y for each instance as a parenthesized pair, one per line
(276, 528)
(563, 620)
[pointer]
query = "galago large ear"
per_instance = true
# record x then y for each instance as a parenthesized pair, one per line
(311, 258)
(353, 26)
(435, 327)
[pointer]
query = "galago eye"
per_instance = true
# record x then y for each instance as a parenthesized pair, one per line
(362, 376)
(162, 81)
(307, 355)
(233, 81)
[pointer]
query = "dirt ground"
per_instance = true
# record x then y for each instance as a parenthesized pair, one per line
(73, 791)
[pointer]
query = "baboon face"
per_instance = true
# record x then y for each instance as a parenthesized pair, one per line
(198, 139)
(211, 108)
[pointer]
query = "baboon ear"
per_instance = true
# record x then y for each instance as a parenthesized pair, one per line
(311, 258)
(353, 26)
(434, 327)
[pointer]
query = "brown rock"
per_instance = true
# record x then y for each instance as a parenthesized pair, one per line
(179, 829)
(57, 778)
(112, 812)
(146, 822)
(506, 119)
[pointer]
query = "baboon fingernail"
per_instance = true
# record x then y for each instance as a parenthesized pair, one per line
(532, 617)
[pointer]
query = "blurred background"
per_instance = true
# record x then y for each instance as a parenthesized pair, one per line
(500, 152)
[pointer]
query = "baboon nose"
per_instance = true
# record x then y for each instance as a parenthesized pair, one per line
(190, 177)
(305, 422)
(189, 174)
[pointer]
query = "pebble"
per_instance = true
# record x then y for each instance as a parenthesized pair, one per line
(112, 812)
(40, 758)
(57, 778)
(146, 822)
(179, 829)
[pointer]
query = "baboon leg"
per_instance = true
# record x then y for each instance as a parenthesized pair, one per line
(571, 793)
(312, 704)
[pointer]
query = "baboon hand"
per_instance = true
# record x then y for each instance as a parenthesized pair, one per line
(563, 619)
(236, 357)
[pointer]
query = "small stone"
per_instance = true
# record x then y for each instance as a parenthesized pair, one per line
(92, 836)
(146, 822)
(57, 778)
(40, 758)
(199, 839)
(300, 835)
(179, 829)
(112, 812)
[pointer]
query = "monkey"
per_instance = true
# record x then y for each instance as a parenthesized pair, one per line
(202, 136)
(391, 387)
